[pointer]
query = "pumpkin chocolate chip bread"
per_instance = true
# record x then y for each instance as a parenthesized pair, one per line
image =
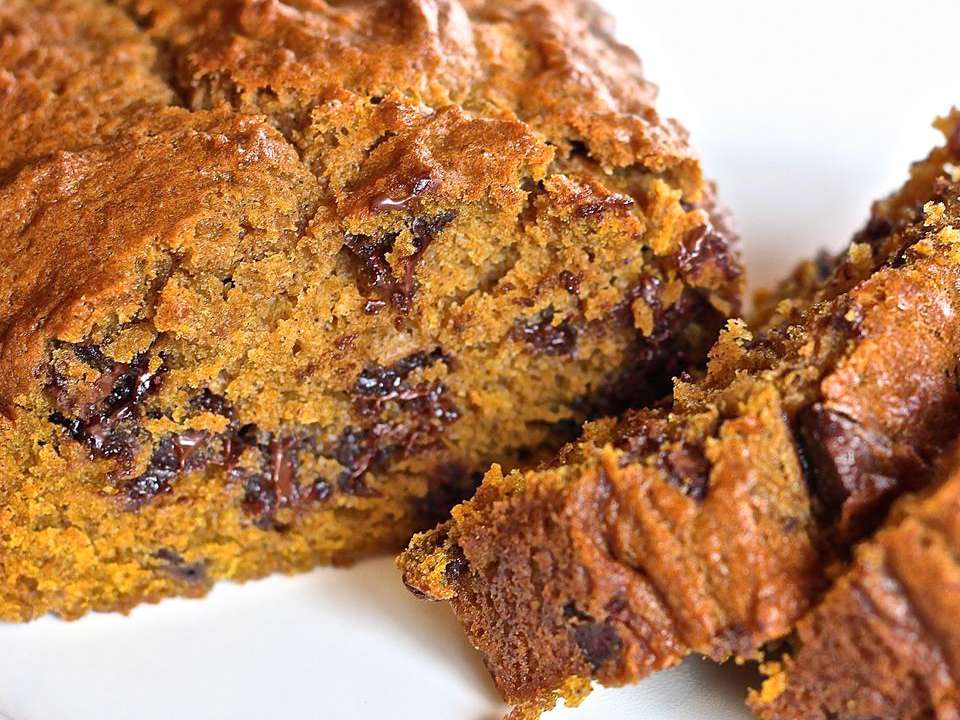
(884, 643)
(704, 525)
(279, 281)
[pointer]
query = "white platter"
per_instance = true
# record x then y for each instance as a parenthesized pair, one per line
(804, 113)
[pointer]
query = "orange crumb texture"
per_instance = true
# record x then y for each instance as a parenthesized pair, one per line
(279, 281)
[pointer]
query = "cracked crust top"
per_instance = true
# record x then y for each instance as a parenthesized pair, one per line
(448, 102)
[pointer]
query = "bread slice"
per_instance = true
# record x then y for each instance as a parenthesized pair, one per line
(704, 525)
(884, 643)
(278, 282)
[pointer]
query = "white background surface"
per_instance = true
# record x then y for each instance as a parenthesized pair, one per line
(804, 112)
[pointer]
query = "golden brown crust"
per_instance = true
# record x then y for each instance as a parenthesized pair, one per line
(552, 65)
(706, 525)
(279, 280)
(70, 71)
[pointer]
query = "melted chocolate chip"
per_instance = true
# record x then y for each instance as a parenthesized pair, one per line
(855, 472)
(374, 274)
(457, 565)
(547, 338)
(648, 288)
(382, 382)
(259, 497)
(704, 247)
(267, 486)
(570, 282)
(107, 423)
(216, 404)
(320, 491)
(273, 482)
(376, 277)
(174, 456)
(283, 469)
(94, 357)
(394, 417)
(423, 412)
(598, 206)
(599, 642)
(354, 453)
(166, 465)
(386, 201)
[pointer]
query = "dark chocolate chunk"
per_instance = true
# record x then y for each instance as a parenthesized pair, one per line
(216, 404)
(599, 642)
(570, 282)
(94, 357)
(164, 467)
(356, 452)
(856, 472)
(688, 469)
(107, 423)
(259, 496)
(420, 412)
(383, 382)
(457, 565)
(547, 338)
(171, 458)
(598, 206)
(704, 247)
(173, 564)
(394, 416)
(376, 277)
(283, 470)
(424, 411)
(572, 612)
(374, 274)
